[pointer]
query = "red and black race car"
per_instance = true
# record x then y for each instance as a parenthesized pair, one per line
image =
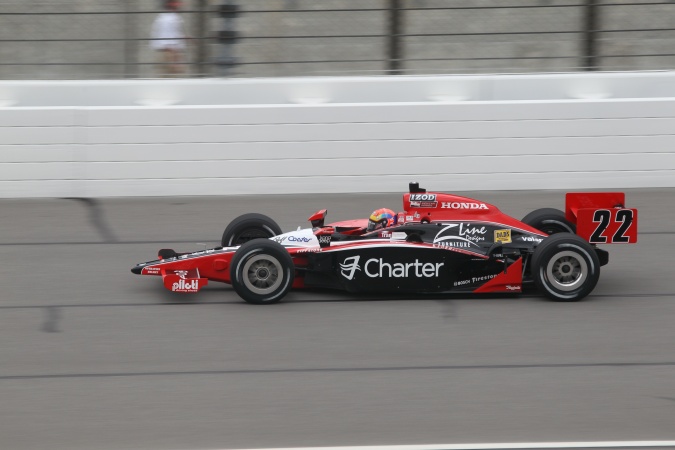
(440, 243)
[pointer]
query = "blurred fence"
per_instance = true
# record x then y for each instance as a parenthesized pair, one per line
(88, 39)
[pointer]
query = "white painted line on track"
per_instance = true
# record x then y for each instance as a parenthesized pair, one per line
(529, 445)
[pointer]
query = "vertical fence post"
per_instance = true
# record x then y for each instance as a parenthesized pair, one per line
(591, 23)
(394, 51)
(201, 25)
(130, 42)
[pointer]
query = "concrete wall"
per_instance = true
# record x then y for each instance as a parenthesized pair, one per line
(215, 137)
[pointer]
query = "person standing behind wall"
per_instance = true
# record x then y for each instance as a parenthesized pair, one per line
(169, 40)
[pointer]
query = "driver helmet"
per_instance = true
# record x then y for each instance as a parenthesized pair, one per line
(381, 218)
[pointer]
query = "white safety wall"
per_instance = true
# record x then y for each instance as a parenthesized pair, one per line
(317, 144)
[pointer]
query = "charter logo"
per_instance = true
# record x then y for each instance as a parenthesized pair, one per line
(378, 268)
(349, 267)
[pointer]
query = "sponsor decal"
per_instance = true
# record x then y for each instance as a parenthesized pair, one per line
(181, 273)
(349, 267)
(203, 252)
(152, 270)
(531, 239)
(183, 285)
(483, 278)
(379, 268)
(503, 236)
(423, 197)
(385, 234)
(409, 218)
(462, 235)
(399, 236)
(463, 205)
(279, 239)
(324, 240)
(299, 239)
(512, 288)
(424, 204)
(309, 250)
(474, 280)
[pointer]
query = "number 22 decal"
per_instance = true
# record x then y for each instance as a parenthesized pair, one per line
(604, 216)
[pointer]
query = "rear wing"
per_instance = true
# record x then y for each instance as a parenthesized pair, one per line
(601, 217)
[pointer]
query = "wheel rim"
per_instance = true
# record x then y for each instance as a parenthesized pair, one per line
(567, 271)
(262, 274)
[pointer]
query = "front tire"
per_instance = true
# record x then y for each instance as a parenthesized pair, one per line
(248, 227)
(549, 221)
(262, 272)
(565, 268)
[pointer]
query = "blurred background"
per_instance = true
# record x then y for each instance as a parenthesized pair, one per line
(93, 39)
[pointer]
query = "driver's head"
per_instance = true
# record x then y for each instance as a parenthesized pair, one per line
(381, 218)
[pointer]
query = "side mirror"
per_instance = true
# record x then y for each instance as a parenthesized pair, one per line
(317, 219)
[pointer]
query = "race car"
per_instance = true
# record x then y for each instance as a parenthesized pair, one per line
(439, 243)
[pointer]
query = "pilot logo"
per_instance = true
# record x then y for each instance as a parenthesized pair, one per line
(185, 286)
(181, 273)
(349, 267)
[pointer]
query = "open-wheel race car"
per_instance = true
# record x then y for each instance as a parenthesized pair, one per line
(439, 243)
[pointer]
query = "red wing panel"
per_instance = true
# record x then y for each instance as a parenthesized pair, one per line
(184, 280)
(608, 226)
(509, 281)
(575, 201)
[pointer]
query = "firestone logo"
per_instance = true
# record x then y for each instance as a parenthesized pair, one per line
(463, 205)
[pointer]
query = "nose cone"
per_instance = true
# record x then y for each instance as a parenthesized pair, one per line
(136, 270)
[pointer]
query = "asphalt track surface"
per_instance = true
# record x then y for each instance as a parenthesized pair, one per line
(92, 356)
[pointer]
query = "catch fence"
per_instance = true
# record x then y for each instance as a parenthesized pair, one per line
(90, 39)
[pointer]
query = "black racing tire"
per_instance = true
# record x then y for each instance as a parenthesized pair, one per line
(549, 221)
(248, 227)
(565, 267)
(262, 272)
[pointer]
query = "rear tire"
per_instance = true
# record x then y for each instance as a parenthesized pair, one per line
(549, 221)
(248, 227)
(565, 268)
(262, 272)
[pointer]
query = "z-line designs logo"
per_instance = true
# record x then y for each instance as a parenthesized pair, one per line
(464, 237)
(378, 268)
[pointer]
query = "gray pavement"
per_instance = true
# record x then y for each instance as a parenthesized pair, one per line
(92, 356)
